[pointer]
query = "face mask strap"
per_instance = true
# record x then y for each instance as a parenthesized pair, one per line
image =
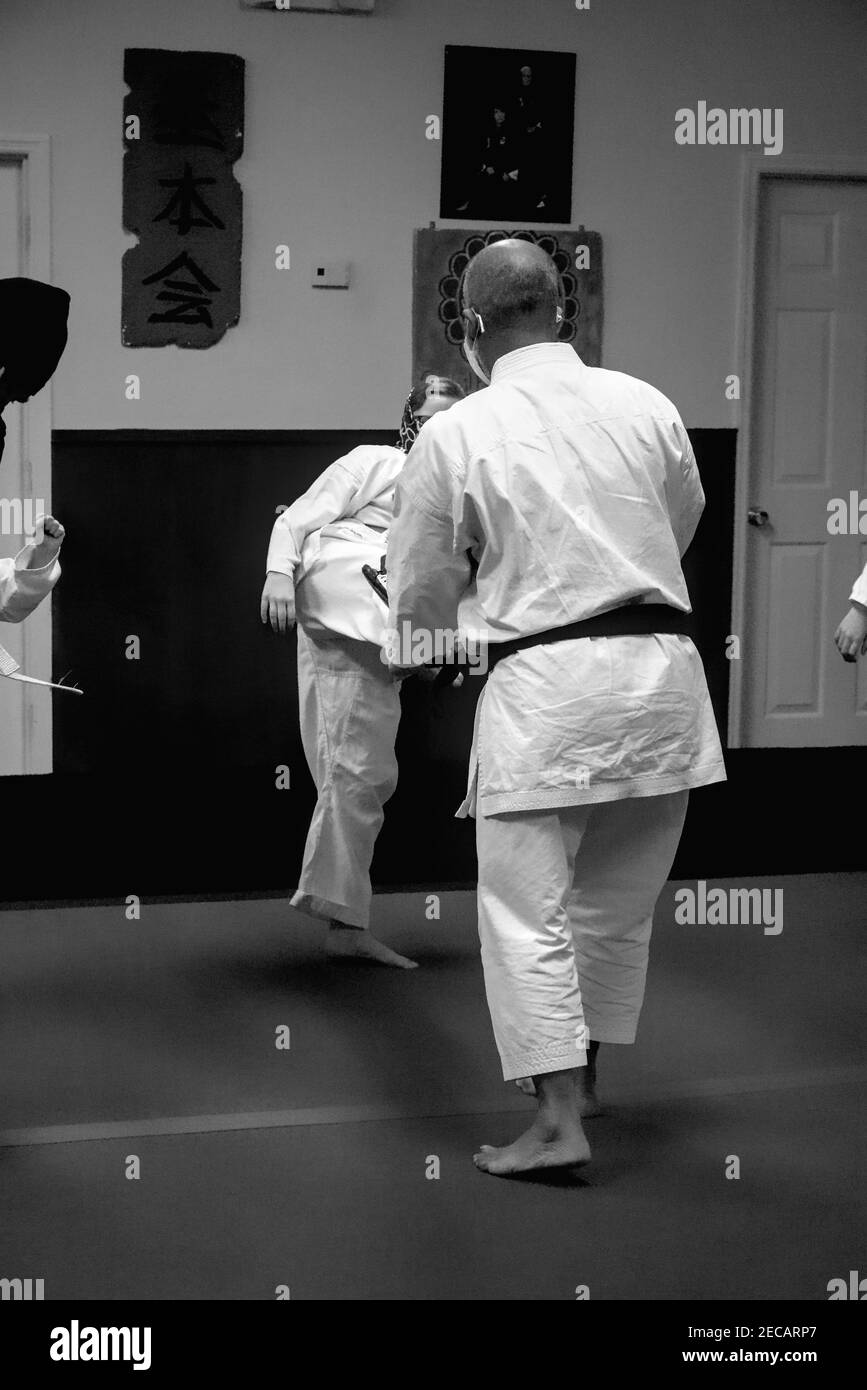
(479, 330)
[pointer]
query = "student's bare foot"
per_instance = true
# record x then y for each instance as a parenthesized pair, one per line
(543, 1146)
(555, 1139)
(354, 943)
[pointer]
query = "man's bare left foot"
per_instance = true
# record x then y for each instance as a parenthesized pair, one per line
(355, 943)
(555, 1139)
(542, 1146)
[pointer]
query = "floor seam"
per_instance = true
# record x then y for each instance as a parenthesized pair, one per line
(309, 1118)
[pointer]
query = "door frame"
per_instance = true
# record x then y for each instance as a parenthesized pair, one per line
(34, 154)
(755, 168)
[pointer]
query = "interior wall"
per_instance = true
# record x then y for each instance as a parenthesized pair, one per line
(336, 164)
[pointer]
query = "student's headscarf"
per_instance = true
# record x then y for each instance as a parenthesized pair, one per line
(425, 398)
(33, 318)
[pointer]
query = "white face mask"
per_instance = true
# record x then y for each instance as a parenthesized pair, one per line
(471, 353)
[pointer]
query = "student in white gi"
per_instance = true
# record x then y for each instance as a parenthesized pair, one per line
(851, 634)
(348, 702)
(559, 493)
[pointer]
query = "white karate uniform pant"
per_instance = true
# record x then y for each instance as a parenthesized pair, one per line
(566, 901)
(350, 710)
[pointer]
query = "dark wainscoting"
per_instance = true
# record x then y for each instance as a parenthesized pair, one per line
(164, 781)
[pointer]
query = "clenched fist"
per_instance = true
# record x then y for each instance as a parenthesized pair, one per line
(49, 536)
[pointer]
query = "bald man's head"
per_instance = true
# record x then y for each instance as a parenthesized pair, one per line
(513, 285)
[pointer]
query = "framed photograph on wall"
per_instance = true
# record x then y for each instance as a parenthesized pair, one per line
(508, 129)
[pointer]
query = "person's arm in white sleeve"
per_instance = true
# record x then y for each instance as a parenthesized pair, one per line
(859, 590)
(427, 576)
(333, 495)
(30, 577)
(684, 492)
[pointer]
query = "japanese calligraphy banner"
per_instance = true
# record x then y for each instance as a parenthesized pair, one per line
(183, 131)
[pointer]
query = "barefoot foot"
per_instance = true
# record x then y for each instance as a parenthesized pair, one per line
(542, 1146)
(353, 943)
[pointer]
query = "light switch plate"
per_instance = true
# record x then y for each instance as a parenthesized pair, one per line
(331, 275)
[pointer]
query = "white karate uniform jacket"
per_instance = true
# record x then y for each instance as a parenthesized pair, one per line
(859, 589)
(339, 524)
(575, 490)
(22, 589)
(358, 487)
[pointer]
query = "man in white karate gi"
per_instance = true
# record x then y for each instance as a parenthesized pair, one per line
(349, 703)
(549, 513)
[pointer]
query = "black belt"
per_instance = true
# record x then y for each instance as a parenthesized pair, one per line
(632, 619)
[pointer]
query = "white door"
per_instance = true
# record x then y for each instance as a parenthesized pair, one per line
(808, 445)
(25, 470)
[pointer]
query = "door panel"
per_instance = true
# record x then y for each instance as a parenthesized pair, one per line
(808, 445)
